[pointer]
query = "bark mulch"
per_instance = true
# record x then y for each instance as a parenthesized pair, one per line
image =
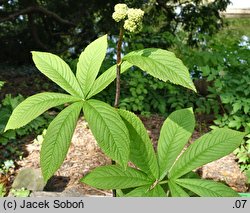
(84, 155)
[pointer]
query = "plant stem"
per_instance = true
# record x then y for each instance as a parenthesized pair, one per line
(118, 68)
(118, 78)
(163, 182)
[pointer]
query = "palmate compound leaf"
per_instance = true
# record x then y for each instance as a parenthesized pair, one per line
(109, 130)
(161, 64)
(207, 188)
(34, 106)
(176, 190)
(145, 191)
(106, 78)
(58, 71)
(141, 150)
(115, 177)
(90, 62)
(175, 132)
(57, 139)
(211, 146)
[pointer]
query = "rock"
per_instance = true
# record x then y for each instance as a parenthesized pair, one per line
(226, 170)
(30, 179)
(71, 192)
(54, 194)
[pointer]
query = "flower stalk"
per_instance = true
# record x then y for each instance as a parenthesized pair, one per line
(131, 20)
(118, 68)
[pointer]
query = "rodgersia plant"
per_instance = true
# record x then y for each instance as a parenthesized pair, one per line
(120, 134)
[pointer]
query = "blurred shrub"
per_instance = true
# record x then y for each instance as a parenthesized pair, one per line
(10, 141)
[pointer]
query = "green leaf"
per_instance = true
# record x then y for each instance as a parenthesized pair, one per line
(211, 146)
(119, 193)
(246, 108)
(115, 177)
(236, 107)
(207, 188)
(58, 71)
(5, 113)
(138, 192)
(175, 132)
(145, 191)
(1, 84)
(57, 139)
(34, 106)
(161, 64)
(106, 78)
(141, 150)
(157, 191)
(176, 191)
(205, 70)
(234, 124)
(226, 99)
(109, 130)
(247, 172)
(244, 194)
(90, 62)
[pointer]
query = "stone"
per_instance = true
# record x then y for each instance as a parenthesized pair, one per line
(30, 179)
(226, 170)
(71, 192)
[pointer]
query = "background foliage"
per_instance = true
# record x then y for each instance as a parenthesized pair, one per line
(69, 25)
(10, 141)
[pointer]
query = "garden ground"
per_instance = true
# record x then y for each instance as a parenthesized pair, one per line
(84, 155)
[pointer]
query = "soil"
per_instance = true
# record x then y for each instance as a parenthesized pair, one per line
(84, 155)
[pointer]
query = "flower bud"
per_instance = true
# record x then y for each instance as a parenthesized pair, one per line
(131, 26)
(120, 12)
(135, 15)
(119, 7)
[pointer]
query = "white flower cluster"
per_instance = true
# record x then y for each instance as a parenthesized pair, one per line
(120, 12)
(133, 23)
(135, 15)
